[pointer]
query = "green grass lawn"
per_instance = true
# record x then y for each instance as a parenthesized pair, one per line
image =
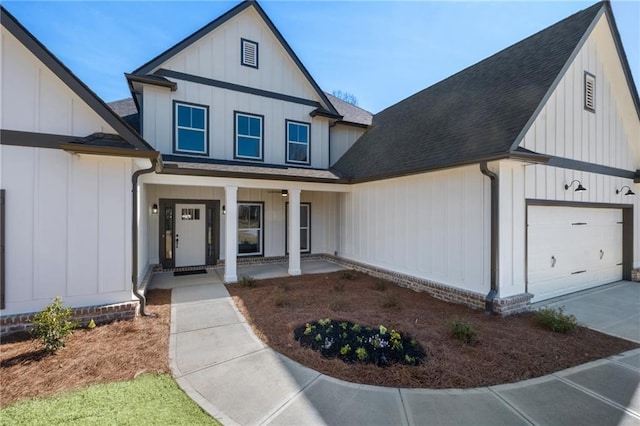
(150, 399)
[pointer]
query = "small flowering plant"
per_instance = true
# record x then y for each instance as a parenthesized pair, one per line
(356, 343)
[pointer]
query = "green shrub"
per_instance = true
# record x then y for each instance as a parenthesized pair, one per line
(391, 301)
(349, 274)
(52, 325)
(463, 330)
(381, 285)
(338, 286)
(247, 281)
(556, 320)
(362, 354)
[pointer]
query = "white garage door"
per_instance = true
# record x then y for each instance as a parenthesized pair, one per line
(571, 249)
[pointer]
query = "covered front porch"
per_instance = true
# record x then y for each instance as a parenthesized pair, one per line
(230, 223)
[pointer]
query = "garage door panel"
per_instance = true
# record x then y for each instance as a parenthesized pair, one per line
(571, 249)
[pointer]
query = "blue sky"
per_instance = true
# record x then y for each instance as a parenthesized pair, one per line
(381, 52)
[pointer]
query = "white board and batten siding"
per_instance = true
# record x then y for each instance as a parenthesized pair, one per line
(342, 137)
(67, 216)
(158, 122)
(34, 99)
(67, 228)
(434, 226)
(217, 56)
(610, 136)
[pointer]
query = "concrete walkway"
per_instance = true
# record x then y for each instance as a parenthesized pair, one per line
(220, 363)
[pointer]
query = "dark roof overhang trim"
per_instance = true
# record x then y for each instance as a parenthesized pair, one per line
(151, 79)
(235, 87)
(324, 113)
(173, 169)
(583, 166)
(71, 81)
(34, 140)
(78, 148)
(636, 177)
(623, 56)
(352, 124)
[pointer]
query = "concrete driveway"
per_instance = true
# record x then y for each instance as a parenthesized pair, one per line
(612, 309)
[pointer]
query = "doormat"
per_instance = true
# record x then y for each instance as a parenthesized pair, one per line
(194, 272)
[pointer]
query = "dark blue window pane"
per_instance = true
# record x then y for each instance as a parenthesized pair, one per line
(248, 147)
(190, 140)
(184, 116)
(197, 118)
(254, 129)
(303, 134)
(243, 125)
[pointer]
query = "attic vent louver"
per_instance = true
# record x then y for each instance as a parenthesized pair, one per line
(589, 92)
(249, 51)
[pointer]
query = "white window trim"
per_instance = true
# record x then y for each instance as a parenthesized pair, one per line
(308, 144)
(178, 127)
(261, 229)
(259, 139)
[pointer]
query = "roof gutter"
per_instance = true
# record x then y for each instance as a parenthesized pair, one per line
(495, 185)
(134, 235)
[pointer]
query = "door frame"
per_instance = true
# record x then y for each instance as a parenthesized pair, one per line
(627, 230)
(211, 248)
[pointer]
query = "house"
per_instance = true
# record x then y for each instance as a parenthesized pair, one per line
(502, 184)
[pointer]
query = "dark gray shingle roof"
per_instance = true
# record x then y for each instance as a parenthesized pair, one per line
(350, 113)
(475, 114)
(127, 110)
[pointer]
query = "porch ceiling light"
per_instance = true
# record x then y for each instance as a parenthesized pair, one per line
(284, 193)
(154, 209)
(579, 188)
(629, 191)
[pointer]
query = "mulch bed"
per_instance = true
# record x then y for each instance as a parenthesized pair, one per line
(113, 352)
(507, 349)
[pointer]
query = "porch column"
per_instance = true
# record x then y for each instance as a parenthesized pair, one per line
(231, 234)
(294, 232)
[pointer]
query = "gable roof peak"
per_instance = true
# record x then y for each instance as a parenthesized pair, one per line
(77, 86)
(473, 115)
(151, 66)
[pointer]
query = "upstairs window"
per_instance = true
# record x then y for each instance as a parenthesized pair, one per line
(297, 142)
(190, 128)
(589, 92)
(248, 136)
(249, 53)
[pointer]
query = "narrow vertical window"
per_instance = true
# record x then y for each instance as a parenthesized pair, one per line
(305, 227)
(250, 229)
(589, 92)
(249, 53)
(2, 285)
(297, 142)
(190, 128)
(248, 129)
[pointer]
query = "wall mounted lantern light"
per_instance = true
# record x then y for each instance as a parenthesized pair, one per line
(284, 193)
(154, 209)
(629, 191)
(579, 188)
(224, 209)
